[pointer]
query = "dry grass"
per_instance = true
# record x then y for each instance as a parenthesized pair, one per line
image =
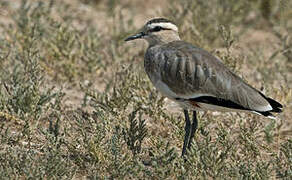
(75, 101)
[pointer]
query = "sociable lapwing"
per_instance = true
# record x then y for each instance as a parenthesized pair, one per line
(196, 79)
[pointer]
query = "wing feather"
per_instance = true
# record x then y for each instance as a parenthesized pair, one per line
(189, 72)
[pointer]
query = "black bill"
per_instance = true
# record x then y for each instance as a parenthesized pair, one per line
(136, 36)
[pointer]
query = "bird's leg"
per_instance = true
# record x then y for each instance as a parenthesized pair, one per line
(193, 129)
(187, 132)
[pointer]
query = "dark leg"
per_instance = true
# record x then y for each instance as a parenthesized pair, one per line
(193, 128)
(187, 132)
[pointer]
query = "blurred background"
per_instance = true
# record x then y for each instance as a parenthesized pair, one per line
(76, 103)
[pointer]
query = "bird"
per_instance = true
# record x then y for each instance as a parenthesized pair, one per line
(195, 79)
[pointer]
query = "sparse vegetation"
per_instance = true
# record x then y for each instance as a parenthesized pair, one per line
(76, 103)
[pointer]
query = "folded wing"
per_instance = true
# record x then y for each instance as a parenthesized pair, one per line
(194, 74)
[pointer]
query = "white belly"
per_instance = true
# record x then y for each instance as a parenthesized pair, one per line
(164, 89)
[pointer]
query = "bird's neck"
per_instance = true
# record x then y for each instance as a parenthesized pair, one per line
(163, 38)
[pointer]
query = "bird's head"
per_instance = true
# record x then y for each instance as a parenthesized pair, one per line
(157, 30)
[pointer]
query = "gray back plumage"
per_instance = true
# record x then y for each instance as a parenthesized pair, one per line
(188, 70)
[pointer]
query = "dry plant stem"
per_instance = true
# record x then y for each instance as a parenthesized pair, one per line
(69, 88)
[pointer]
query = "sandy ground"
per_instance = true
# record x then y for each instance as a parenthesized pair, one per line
(97, 15)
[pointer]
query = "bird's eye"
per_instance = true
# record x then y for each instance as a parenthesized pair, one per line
(157, 28)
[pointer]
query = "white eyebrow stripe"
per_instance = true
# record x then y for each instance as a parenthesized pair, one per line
(166, 25)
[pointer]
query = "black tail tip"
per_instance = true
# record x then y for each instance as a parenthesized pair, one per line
(277, 107)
